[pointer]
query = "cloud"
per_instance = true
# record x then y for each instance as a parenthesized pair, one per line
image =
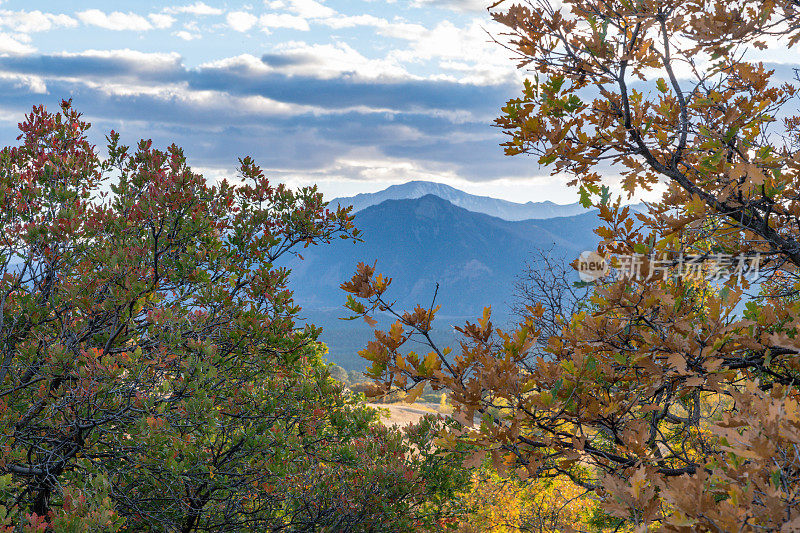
(330, 61)
(241, 20)
(468, 51)
(198, 8)
(282, 20)
(123, 65)
(396, 28)
(456, 5)
(367, 115)
(34, 21)
(186, 36)
(350, 21)
(216, 126)
(9, 45)
(116, 21)
(33, 84)
(296, 76)
(397, 98)
(304, 8)
(338, 79)
(161, 21)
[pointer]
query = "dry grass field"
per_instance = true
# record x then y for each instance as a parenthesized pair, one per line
(402, 414)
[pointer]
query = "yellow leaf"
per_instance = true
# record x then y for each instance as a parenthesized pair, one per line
(430, 362)
(484, 322)
(414, 393)
(637, 481)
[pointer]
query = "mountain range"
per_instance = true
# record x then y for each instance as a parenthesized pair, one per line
(475, 258)
(478, 204)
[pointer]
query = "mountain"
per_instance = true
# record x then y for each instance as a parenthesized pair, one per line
(478, 204)
(420, 242)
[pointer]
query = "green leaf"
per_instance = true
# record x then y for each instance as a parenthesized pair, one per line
(547, 159)
(585, 200)
(724, 293)
(605, 195)
(557, 387)
(776, 479)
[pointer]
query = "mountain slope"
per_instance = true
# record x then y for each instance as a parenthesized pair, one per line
(479, 204)
(474, 258)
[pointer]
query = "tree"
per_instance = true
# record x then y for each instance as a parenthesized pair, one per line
(152, 376)
(685, 410)
(549, 279)
(505, 505)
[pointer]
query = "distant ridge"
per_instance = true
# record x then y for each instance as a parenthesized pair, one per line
(473, 257)
(477, 204)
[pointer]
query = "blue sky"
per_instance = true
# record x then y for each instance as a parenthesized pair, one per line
(352, 95)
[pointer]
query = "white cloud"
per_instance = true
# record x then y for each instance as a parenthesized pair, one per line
(135, 61)
(455, 5)
(312, 9)
(351, 21)
(328, 61)
(34, 21)
(372, 165)
(282, 20)
(467, 51)
(11, 46)
(319, 61)
(186, 36)
(397, 28)
(776, 51)
(463, 53)
(244, 62)
(402, 30)
(241, 20)
(309, 9)
(198, 8)
(117, 21)
(33, 84)
(161, 21)
(133, 56)
(210, 101)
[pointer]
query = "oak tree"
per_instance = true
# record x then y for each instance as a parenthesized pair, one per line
(677, 409)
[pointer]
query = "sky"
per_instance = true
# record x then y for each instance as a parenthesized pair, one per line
(351, 95)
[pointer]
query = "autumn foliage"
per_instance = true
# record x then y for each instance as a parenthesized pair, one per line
(547, 505)
(671, 400)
